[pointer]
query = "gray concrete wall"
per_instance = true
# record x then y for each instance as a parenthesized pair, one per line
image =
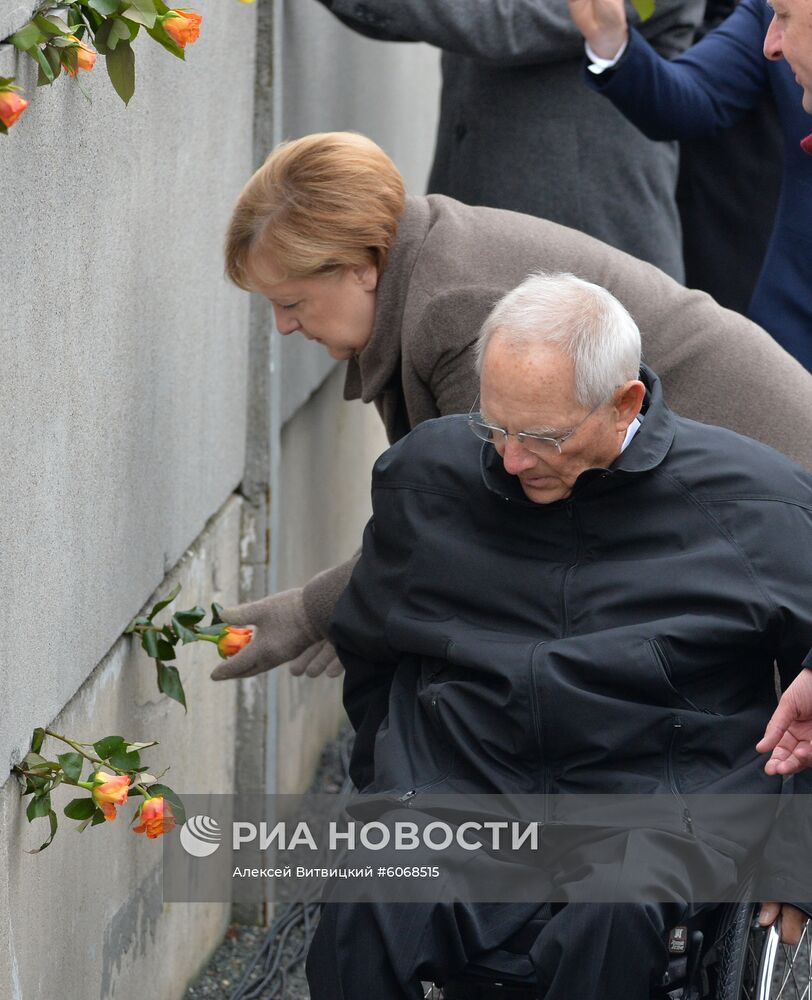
(124, 349)
(86, 918)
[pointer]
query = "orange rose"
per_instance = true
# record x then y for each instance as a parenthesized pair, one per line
(156, 818)
(233, 640)
(85, 57)
(109, 791)
(182, 26)
(11, 107)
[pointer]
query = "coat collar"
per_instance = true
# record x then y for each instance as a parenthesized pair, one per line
(369, 373)
(646, 451)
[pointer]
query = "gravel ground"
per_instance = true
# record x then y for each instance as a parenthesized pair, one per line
(222, 977)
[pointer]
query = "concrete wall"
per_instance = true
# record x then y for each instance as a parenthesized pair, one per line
(328, 450)
(139, 391)
(86, 918)
(124, 349)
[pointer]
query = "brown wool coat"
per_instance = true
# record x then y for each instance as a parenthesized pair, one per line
(451, 263)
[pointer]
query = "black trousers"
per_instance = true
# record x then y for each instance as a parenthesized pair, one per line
(384, 950)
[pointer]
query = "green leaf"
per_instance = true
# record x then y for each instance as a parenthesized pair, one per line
(80, 808)
(110, 744)
(39, 806)
(644, 8)
(190, 617)
(140, 17)
(184, 634)
(26, 38)
(169, 683)
(51, 27)
(38, 736)
(100, 37)
(45, 66)
(216, 613)
(104, 7)
(52, 55)
(98, 817)
(166, 650)
(210, 629)
(53, 823)
(120, 32)
(169, 633)
(178, 809)
(165, 602)
(71, 764)
(149, 640)
(32, 760)
(125, 761)
(140, 746)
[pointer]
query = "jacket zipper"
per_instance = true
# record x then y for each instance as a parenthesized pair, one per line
(572, 515)
(545, 771)
(676, 791)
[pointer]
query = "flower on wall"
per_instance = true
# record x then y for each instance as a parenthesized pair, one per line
(11, 104)
(116, 774)
(72, 39)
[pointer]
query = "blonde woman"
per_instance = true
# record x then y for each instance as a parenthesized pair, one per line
(397, 288)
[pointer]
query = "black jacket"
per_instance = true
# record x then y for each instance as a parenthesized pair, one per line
(622, 640)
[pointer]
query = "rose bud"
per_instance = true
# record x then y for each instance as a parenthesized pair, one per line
(109, 791)
(233, 640)
(11, 107)
(156, 818)
(182, 26)
(85, 57)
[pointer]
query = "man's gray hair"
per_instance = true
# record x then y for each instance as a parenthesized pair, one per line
(588, 323)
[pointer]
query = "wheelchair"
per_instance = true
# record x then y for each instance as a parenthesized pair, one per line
(720, 954)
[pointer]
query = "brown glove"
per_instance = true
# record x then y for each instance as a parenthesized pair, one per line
(320, 658)
(282, 632)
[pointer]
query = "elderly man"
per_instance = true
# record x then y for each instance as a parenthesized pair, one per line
(587, 594)
(789, 37)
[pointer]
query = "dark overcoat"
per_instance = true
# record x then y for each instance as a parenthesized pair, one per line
(518, 129)
(622, 640)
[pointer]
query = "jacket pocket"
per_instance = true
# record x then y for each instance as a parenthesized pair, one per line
(663, 664)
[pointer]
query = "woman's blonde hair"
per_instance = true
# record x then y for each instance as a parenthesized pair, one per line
(327, 201)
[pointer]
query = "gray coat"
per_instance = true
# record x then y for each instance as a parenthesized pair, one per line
(451, 263)
(519, 130)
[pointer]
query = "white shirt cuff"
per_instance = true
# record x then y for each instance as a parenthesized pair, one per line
(597, 64)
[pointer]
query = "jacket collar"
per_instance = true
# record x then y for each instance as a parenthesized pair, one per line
(646, 451)
(369, 373)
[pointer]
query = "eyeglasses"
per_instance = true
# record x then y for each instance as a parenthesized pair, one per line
(538, 444)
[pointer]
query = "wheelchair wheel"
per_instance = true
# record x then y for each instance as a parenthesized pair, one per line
(755, 965)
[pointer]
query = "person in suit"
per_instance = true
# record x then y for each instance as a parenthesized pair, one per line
(518, 131)
(397, 287)
(703, 91)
